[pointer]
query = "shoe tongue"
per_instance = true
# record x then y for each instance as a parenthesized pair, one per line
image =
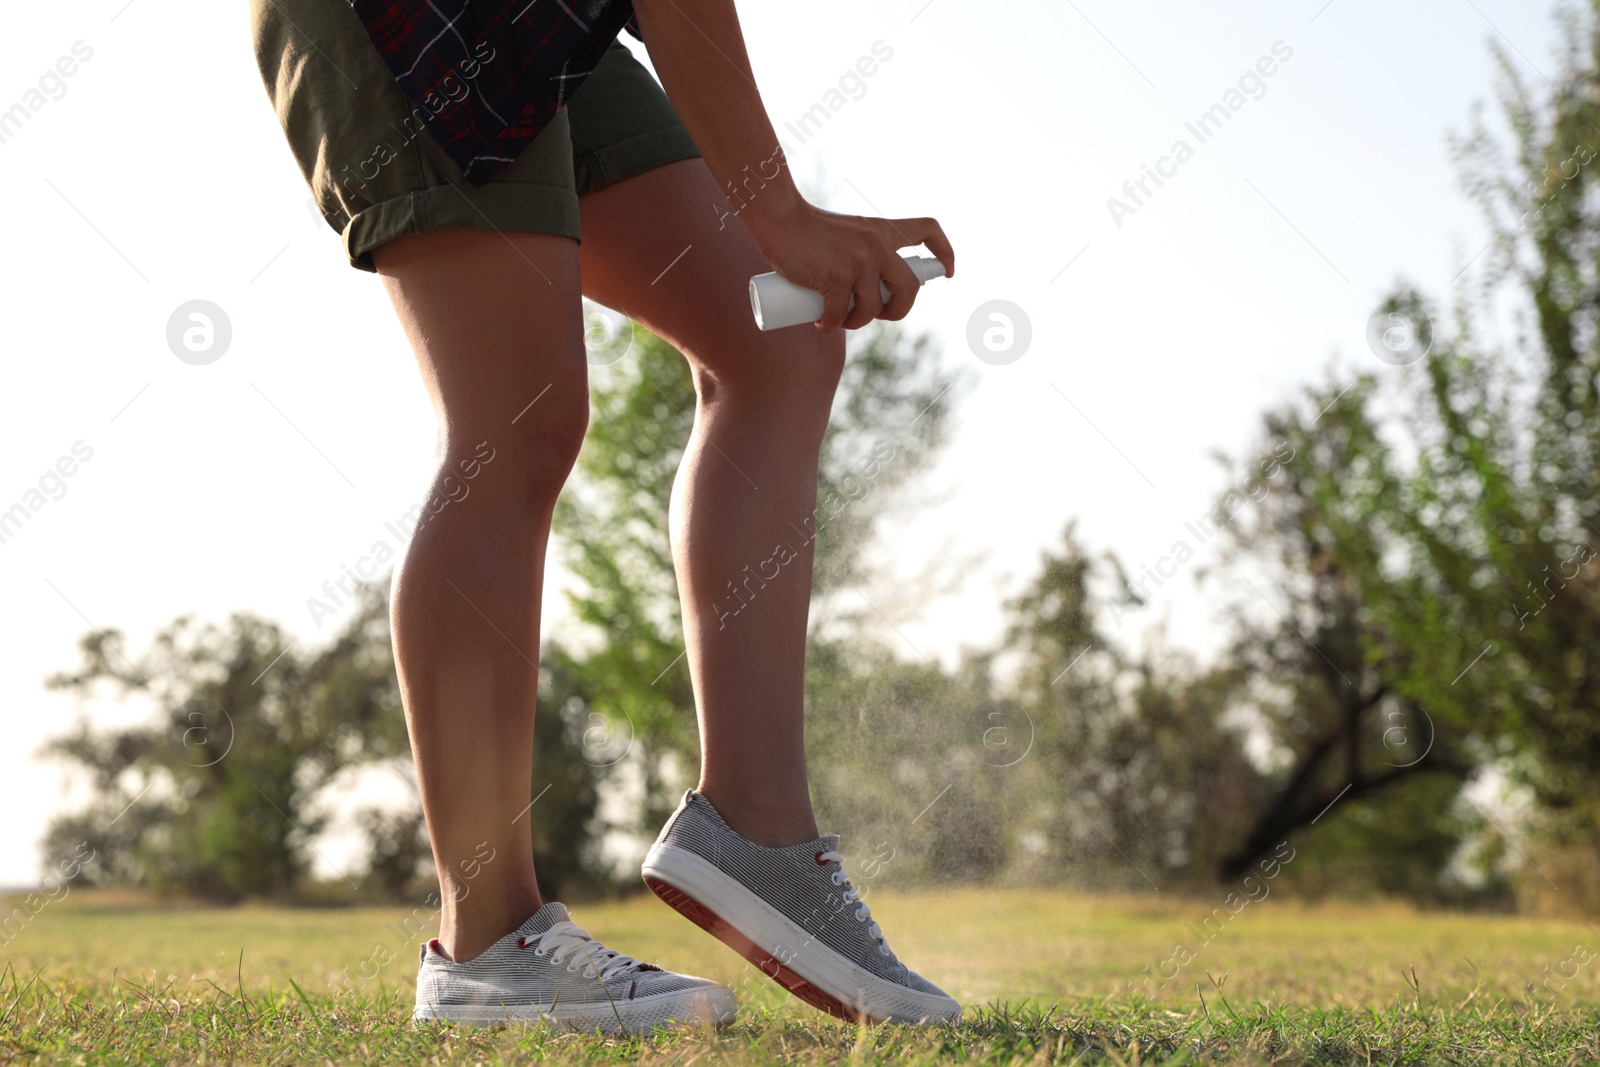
(543, 919)
(812, 849)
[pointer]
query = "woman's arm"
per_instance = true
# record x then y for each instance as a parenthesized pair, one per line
(697, 48)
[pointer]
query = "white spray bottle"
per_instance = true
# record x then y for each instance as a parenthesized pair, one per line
(778, 302)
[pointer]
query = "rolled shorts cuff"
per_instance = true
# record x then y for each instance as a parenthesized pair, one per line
(597, 168)
(506, 206)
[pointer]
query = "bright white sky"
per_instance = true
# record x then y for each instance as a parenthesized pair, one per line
(161, 176)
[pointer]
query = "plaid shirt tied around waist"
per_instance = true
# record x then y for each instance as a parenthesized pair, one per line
(486, 76)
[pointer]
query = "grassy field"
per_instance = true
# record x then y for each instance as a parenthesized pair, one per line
(1046, 978)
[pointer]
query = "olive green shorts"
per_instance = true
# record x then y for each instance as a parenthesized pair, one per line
(375, 175)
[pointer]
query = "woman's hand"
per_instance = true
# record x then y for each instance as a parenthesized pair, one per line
(837, 255)
(698, 51)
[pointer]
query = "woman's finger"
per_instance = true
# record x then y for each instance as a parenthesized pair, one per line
(869, 300)
(835, 305)
(927, 232)
(903, 287)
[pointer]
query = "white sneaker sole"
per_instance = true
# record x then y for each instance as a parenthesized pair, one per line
(716, 1007)
(780, 948)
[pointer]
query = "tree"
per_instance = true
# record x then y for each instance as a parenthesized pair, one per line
(1512, 483)
(1435, 589)
(217, 796)
(1147, 781)
(1344, 693)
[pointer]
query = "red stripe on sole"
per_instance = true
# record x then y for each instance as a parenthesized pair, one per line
(718, 927)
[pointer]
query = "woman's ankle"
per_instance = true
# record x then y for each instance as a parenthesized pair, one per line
(471, 931)
(758, 815)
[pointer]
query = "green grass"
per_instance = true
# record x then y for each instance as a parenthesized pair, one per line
(1046, 977)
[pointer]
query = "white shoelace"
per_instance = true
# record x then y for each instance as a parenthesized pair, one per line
(569, 943)
(850, 896)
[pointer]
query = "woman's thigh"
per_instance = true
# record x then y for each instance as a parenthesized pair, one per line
(496, 322)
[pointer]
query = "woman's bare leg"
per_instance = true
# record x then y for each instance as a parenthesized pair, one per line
(496, 323)
(748, 481)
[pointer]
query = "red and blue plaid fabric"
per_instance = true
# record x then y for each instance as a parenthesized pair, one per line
(485, 76)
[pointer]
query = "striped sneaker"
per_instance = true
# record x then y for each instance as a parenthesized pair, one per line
(550, 970)
(792, 912)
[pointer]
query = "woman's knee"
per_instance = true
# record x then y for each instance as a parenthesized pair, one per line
(793, 371)
(524, 455)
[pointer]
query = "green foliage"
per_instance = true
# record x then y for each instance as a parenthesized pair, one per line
(216, 796)
(1402, 842)
(399, 847)
(1344, 655)
(1144, 779)
(1432, 552)
(1513, 472)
